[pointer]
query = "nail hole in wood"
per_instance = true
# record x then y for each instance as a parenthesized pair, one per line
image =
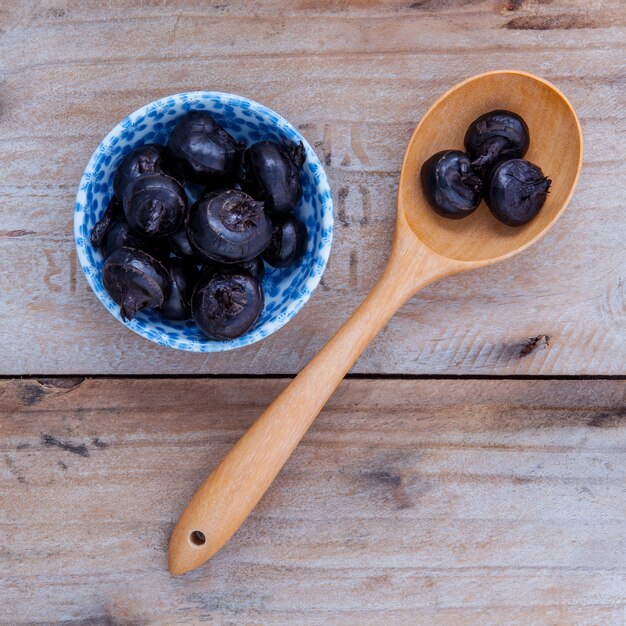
(197, 538)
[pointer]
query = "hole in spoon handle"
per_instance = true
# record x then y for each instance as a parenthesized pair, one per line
(197, 538)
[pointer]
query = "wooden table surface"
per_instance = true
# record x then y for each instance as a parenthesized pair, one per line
(416, 498)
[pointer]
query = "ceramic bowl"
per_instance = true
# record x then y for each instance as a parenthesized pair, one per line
(286, 289)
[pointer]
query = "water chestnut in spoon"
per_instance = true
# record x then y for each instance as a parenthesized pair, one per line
(450, 185)
(496, 135)
(515, 190)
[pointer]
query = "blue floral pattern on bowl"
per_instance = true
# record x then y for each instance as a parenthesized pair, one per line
(286, 289)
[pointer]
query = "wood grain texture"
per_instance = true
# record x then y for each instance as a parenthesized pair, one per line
(421, 502)
(355, 76)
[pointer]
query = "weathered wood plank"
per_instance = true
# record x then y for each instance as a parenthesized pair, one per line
(447, 502)
(366, 72)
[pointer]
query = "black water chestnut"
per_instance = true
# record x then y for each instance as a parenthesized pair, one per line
(135, 280)
(203, 151)
(226, 303)
(154, 205)
(147, 159)
(288, 243)
(111, 214)
(271, 173)
(255, 267)
(112, 232)
(120, 235)
(180, 245)
(450, 185)
(494, 136)
(228, 227)
(515, 190)
(183, 277)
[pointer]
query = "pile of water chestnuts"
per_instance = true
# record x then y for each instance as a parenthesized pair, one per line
(492, 167)
(201, 260)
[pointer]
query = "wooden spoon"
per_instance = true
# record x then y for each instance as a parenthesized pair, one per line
(426, 247)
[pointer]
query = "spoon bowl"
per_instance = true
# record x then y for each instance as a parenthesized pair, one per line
(426, 247)
(555, 146)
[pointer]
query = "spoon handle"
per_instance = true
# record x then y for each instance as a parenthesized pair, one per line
(229, 494)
